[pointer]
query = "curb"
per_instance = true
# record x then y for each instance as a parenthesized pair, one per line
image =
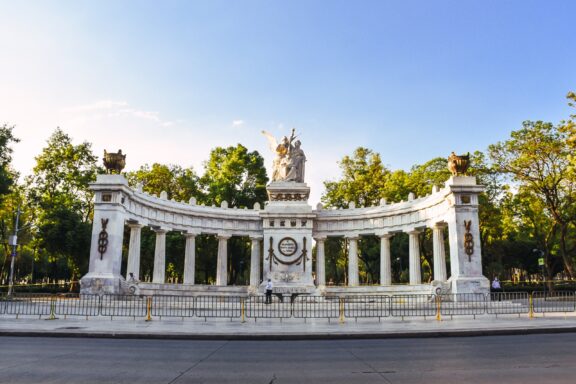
(292, 336)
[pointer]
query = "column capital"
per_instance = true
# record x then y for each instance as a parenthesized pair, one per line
(385, 235)
(256, 238)
(191, 233)
(134, 225)
(440, 225)
(352, 237)
(223, 236)
(160, 230)
(320, 238)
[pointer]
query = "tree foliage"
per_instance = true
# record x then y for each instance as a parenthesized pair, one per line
(536, 157)
(234, 175)
(58, 193)
(7, 175)
(62, 174)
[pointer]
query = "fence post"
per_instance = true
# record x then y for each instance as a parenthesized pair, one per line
(341, 301)
(148, 308)
(438, 301)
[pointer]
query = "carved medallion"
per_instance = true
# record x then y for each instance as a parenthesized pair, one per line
(287, 246)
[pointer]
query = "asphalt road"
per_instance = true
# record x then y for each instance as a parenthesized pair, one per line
(492, 359)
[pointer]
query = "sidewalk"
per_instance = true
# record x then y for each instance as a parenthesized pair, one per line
(289, 329)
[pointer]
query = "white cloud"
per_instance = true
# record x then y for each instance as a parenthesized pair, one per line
(237, 123)
(114, 108)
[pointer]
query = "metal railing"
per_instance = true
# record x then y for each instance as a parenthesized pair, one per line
(549, 302)
(413, 305)
(301, 307)
(366, 306)
(462, 304)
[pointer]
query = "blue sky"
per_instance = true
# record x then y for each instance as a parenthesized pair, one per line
(166, 81)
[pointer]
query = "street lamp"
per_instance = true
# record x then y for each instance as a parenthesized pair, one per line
(399, 260)
(13, 242)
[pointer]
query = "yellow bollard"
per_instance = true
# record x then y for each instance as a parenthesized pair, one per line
(148, 309)
(242, 308)
(531, 304)
(341, 301)
(52, 308)
(438, 301)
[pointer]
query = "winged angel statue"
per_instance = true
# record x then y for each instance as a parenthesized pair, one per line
(290, 158)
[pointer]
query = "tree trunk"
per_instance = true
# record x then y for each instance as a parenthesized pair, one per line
(568, 265)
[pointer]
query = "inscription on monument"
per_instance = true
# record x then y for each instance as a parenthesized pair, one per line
(287, 246)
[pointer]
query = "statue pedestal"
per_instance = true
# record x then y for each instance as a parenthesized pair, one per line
(286, 191)
(287, 222)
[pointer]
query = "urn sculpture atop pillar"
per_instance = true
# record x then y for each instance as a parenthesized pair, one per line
(114, 162)
(458, 164)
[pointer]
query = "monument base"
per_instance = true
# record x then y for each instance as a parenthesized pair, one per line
(100, 284)
(478, 284)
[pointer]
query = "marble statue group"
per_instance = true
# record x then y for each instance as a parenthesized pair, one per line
(290, 158)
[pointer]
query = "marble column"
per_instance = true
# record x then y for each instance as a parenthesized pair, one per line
(222, 263)
(385, 260)
(255, 262)
(353, 261)
(190, 258)
(134, 252)
(320, 262)
(439, 252)
(414, 258)
(159, 275)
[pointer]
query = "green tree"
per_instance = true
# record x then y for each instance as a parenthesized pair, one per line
(62, 174)
(65, 235)
(59, 193)
(179, 183)
(363, 181)
(235, 175)
(537, 159)
(7, 174)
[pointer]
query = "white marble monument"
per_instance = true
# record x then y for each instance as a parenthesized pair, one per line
(283, 234)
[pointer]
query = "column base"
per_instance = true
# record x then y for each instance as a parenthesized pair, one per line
(100, 284)
(478, 284)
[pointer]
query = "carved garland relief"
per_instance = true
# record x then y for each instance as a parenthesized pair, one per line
(103, 239)
(287, 247)
(468, 239)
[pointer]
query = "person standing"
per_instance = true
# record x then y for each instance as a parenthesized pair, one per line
(496, 288)
(269, 287)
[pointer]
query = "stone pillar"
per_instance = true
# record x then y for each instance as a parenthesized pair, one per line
(255, 262)
(414, 258)
(439, 252)
(464, 236)
(159, 275)
(134, 252)
(222, 264)
(190, 258)
(107, 237)
(320, 262)
(353, 262)
(385, 262)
